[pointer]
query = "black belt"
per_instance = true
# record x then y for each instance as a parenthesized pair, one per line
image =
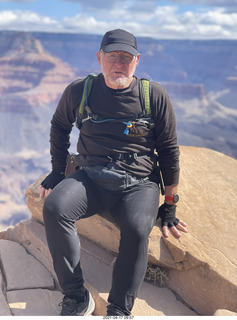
(87, 160)
(128, 156)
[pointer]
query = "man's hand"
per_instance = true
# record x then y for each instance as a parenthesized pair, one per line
(50, 182)
(168, 220)
(44, 192)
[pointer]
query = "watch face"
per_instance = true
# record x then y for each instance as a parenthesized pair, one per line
(175, 198)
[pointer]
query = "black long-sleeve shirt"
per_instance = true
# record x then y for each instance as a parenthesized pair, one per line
(108, 138)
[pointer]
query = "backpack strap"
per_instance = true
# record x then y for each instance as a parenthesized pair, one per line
(144, 89)
(84, 100)
(145, 92)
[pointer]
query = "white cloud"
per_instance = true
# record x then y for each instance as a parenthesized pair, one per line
(219, 17)
(161, 22)
(227, 5)
(9, 208)
(26, 20)
(214, 24)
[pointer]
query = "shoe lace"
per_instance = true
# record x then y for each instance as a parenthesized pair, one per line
(69, 307)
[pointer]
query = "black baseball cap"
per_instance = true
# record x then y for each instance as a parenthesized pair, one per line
(119, 40)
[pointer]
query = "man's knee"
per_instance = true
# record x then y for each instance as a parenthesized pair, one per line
(135, 234)
(140, 226)
(51, 209)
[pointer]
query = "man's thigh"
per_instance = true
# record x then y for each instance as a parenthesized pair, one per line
(76, 197)
(138, 208)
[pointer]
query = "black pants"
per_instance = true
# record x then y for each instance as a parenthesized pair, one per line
(134, 210)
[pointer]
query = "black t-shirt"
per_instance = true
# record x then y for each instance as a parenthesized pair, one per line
(109, 138)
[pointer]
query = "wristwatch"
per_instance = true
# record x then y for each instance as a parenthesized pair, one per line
(174, 198)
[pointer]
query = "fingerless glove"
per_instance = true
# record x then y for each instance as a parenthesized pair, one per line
(167, 214)
(52, 180)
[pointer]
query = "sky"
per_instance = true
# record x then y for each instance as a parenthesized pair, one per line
(161, 19)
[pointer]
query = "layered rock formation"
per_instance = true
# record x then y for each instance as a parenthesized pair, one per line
(200, 267)
(31, 81)
(26, 67)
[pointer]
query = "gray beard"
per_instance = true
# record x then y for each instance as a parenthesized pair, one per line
(121, 83)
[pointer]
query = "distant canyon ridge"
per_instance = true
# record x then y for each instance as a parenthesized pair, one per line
(200, 77)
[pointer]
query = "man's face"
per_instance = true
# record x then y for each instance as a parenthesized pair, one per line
(118, 68)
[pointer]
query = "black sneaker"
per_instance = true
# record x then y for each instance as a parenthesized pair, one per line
(70, 307)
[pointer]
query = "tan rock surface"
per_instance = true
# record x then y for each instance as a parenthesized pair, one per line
(203, 260)
(207, 190)
(224, 313)
(21, 269)
(97, 266)
(4, 309)
(34, 302)
(31, 235)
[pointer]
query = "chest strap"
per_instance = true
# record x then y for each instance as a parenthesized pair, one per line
(85, 112)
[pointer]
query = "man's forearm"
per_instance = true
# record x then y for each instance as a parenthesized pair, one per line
(59, 145)
(170, 191)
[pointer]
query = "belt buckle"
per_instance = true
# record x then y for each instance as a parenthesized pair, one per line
(132, 156)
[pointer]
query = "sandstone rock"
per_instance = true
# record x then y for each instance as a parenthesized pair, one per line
(201, 261)
(22, 271)
(97, 264)
(4, 310)
(42, 75)
(185, 91)
(224, 313)
(207, 189)
(34, 302)
(31, 235)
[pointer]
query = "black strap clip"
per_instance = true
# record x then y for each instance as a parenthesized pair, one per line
(132, 156)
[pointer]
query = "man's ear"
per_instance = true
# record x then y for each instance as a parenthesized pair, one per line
(98, 54)
(138, 57)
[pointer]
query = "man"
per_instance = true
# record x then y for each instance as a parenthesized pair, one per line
(117, 173)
